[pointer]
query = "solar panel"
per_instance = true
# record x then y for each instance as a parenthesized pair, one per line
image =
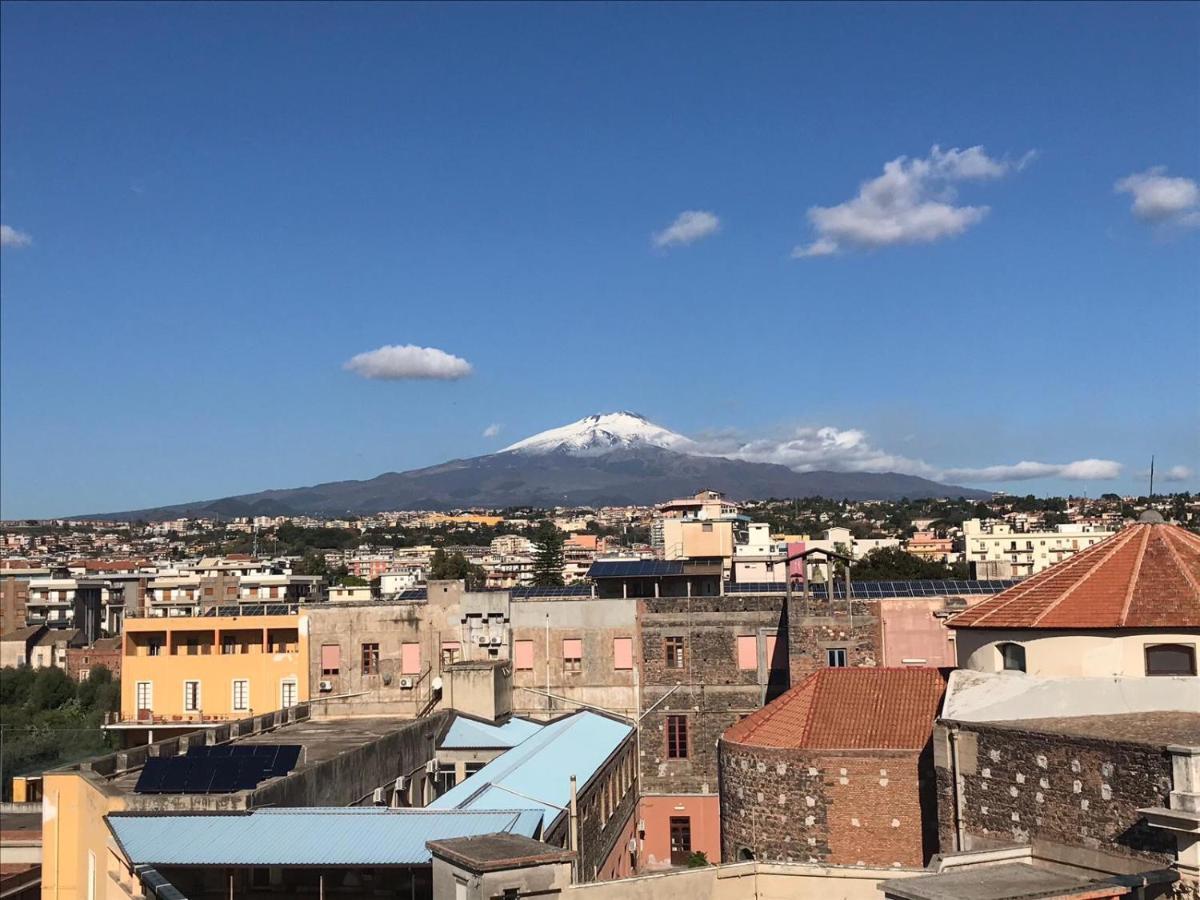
(150, 779)
(176, 775)
(226, 775)
(286, 759)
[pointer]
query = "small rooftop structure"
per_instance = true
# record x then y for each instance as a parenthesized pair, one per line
(536, 773)
(848, 709)
(1144, 576)
(348, 836)
(497, 852)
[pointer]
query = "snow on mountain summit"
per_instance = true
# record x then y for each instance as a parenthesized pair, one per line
(601, 433)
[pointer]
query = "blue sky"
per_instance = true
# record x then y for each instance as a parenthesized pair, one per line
(209, 209)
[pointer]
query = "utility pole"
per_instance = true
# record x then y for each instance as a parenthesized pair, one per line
(1152, 476)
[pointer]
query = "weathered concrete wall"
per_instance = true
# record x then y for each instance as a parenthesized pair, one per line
(1020, 786)
(545, 624)
(355, 773)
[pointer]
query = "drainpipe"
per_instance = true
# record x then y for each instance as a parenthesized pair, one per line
(574, 838)
(958, 792)
(549, 701)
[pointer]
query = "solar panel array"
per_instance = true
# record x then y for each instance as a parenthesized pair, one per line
(635, 568)
(217, 770)
(252, 609)
(878, 589)
(570, 590)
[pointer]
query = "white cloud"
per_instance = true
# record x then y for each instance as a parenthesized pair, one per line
(1177, 473)
(10, 237)
(912, 202)
(1162, 199)
(689, 226)
(394, 363)
(808, 449)
(492, 430)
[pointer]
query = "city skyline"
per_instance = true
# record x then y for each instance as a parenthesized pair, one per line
(362, 241)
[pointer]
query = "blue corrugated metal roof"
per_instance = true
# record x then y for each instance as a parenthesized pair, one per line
(470, 734)
(309, 835)
(537, 772)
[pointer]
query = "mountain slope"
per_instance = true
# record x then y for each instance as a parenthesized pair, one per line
(561, 476)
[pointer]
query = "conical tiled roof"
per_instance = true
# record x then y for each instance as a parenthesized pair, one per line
(849, 709)
(1144, 576)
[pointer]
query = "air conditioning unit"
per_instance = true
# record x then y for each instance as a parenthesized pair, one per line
(431, 767)
(326, 686)
(632, 845)
(496, 642)
(377, 796)
(406, 683)
(641, 826)
(402, 783)
(482, 640)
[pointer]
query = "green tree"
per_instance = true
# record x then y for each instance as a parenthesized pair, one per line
(548, 555)
(894, 564)
(445, 566)
(312, 563)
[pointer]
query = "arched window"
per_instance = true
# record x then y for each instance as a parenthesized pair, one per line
(1170, 659)
(745, 854)
(1013, 656)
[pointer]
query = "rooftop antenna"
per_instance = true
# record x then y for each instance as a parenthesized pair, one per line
(1152, 476)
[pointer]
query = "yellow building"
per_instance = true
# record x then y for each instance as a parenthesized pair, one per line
(179, 671)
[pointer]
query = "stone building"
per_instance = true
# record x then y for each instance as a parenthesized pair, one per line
(1118, 792)
(838, 770)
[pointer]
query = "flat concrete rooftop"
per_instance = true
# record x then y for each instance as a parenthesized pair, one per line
(1156, 729)
(1006, 881)
(319, 739)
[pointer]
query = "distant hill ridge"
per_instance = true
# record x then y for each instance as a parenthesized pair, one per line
(611, 459)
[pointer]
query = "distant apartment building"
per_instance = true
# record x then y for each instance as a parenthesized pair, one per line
(928, 546)
(996, 550)
(14, 595)
(369, 567)
(180, 672)
(511, 545)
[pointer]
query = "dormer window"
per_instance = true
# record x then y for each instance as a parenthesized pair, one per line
(1170, 659)
(1013, 657)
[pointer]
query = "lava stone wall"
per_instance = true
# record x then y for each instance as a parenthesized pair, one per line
(1020, 785)
(713, 691)
(835, 807)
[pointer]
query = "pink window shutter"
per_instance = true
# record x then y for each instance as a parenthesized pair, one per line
(410, 659)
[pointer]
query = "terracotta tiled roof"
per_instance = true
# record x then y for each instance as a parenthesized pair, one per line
(1144, 576)
(849, 709)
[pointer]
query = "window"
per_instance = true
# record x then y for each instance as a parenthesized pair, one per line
(835, 657)
(1013, 657)
(451, 652)
(523, 655)
(154, 648)
(673, 649)
(370, 659)
(622, 653)
(83, 675)
(677, 737)
(191, 696)
(681, 840)
(1170, 659)
(241, 694)
(145, 695)
(747, 651)
(410, 659)
(287, 693)
(331, 659)
(228, 645)
(572, 649)
(707, 526)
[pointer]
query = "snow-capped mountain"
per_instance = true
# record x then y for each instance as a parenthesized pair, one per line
(602, 433)
(615, 459)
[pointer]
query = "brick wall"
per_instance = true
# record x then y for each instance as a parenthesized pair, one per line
(1020, 785)
(835, 807)
(88, 658)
